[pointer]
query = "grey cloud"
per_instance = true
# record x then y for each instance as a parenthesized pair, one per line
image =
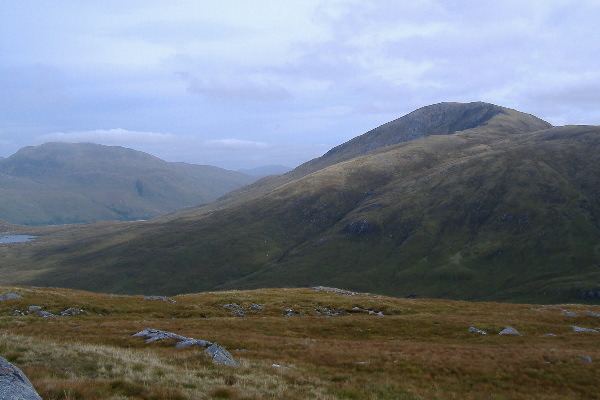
(234, 88)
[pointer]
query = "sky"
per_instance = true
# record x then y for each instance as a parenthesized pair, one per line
(242, 84)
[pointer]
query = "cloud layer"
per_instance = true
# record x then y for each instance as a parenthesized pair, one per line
(252, 80)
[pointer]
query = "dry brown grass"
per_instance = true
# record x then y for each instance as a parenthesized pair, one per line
(419, 350)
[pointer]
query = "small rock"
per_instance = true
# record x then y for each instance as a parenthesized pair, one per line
(18, 313)
(593, 314)
(221, 356)
(256, 307)
(231, 305)
(9, 296)
(69, 312)
(580, 329)
(45, 314)
(509, 330)
(289, 313)
(472, 329)
(549, 335)
(586, 359)
(239, 313)
(14, 384)
(161, 298)
(569, 314)
(34, 308)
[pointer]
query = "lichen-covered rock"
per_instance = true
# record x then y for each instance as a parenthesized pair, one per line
(221, 356)
(34, 308)
(14, 385)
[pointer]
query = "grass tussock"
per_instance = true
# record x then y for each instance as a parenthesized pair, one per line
(419, 348)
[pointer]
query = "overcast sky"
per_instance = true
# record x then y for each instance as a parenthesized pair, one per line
(241, 84)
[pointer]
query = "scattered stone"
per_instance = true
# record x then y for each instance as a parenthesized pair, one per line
(472, 329)
(289, 313)
(161, 298)
(231, 305)
(34, 308)
(256, 307)
(580, 329)
(509, 330)
(14, 384)
(569, 313)
(586, 359)
(69, 312)
(221, 356)
(549, 335)
(240, 313)
(45, 314)
(335, 290)
(18, 313)
(593, 314)
(9, 296)
(536, 309)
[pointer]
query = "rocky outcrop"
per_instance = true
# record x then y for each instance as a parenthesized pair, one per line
(14, 385)
(219, 355)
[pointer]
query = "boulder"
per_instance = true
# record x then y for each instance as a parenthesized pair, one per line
(14, 385)
(34, 308)
(221, 356)
(509, 330)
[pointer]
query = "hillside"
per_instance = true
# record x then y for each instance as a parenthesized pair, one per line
(487, 213)
(59, 183)
(323, 344)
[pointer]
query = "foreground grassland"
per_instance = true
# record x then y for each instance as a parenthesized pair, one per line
(419, 348)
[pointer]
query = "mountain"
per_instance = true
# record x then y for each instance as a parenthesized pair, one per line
(59, 183)
(507, 207)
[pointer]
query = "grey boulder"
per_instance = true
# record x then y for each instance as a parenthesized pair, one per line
(14, 385)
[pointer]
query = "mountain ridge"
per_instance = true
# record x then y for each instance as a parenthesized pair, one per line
(499, 211)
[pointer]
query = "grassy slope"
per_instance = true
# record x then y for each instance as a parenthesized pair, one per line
(468, 216)
(420, 349)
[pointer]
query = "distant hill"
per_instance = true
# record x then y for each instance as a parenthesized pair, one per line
(59, 183)
(484, 203)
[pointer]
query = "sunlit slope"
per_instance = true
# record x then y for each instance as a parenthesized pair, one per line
(481, 214)
(59, 183)
(436, 119)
